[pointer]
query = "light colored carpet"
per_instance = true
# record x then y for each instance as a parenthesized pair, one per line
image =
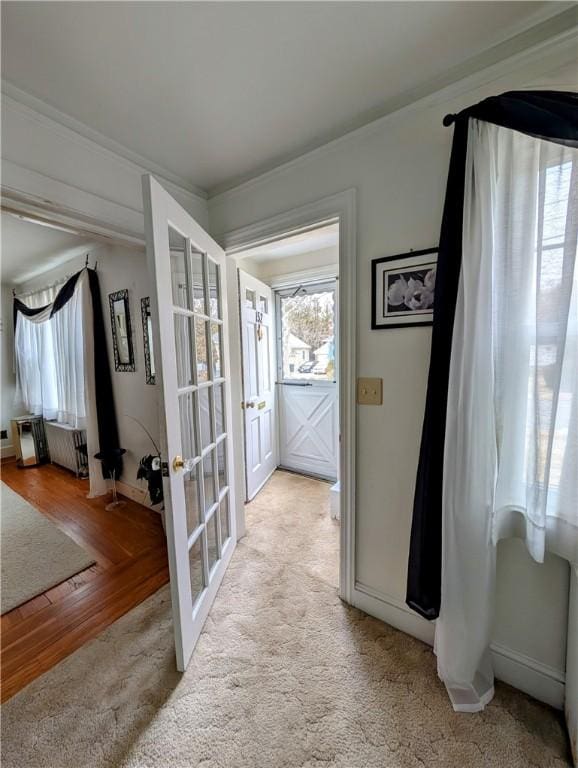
(284, 676)
(36, 555)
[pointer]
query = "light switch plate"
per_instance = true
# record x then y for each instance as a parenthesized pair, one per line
(370, 391)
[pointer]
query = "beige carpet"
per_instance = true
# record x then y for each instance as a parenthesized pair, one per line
(36, 555)
(284, 676)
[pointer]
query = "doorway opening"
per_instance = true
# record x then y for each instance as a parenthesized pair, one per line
(289, 319)
(82, 538)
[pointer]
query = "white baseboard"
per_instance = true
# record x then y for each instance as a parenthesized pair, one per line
(538, 680)
(139, 495)
(6, 451)
(392, 611)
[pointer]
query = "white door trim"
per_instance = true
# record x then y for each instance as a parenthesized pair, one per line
(339, 207)
(304, 277)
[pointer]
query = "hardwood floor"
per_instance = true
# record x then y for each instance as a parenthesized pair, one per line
(129, 547)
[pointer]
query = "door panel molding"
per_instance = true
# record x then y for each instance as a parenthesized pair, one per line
(301, 413)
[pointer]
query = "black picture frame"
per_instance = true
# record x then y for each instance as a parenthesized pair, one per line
(145, 311)
(402, 264)
(122, 347)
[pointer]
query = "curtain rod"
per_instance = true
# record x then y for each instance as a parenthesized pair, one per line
(52, 285)
(44, 288)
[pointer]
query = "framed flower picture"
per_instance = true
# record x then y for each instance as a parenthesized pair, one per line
(403, 289)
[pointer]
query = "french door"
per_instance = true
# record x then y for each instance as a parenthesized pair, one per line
(257, 310)
(188, 272)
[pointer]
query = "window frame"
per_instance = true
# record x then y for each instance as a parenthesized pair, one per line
(317, 286)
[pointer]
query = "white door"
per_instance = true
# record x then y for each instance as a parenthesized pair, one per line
(188, 270)
(258, 342)
(307, 373)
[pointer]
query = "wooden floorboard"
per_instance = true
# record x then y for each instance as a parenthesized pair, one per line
(129, 547)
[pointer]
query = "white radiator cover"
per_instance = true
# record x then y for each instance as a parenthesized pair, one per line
(61, 444)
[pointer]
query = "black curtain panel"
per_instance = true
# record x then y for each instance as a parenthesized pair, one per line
(105, 411)
(549, 115)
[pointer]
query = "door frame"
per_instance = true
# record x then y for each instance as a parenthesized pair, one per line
(341, 207)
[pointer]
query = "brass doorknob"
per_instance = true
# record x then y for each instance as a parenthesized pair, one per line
(180, 463)
(249, 404)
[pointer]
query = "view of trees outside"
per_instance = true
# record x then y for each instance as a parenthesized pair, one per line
(308, 335)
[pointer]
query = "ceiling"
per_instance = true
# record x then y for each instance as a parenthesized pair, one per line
(295, 245)
(29, 250)
(216, 92)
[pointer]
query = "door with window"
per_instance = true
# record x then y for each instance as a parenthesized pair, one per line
(189, 305)
(258, 343)
(307, 376)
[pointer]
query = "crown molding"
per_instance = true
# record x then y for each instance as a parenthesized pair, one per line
(73, 130)
(560, 37)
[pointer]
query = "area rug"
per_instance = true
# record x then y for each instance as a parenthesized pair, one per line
(284, 676)
(36, 555)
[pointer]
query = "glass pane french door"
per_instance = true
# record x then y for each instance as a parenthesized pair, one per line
(192, 322)
(198, 320)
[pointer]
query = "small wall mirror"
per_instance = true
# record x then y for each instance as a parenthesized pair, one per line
(147, 329)
(121, 331)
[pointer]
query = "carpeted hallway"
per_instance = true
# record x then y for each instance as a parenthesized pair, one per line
(284, 676)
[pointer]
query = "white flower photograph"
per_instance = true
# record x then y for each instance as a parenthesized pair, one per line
(403, 289)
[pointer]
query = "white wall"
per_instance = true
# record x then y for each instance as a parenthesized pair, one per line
(119, 268)
(399, 168)
(8, 378)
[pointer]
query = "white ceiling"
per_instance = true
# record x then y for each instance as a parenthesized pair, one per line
(29, 250)
(215, 92)
(295, 245)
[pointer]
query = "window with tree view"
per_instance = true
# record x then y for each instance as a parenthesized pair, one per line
(307, 316)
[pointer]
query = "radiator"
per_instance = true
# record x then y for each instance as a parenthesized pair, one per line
(67, 447)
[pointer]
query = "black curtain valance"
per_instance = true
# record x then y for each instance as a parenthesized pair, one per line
(62, 297)
(105, 410)
(549, 115)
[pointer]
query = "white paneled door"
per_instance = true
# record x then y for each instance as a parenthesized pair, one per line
(258, 341)
(189, 306)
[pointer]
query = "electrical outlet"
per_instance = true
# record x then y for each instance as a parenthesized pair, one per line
(3, 434)
(370, 391)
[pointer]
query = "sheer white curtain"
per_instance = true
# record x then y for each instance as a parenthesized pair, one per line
(50, 359)
(34, 350)
(511, 447)
(35, 369)
(55, 374)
